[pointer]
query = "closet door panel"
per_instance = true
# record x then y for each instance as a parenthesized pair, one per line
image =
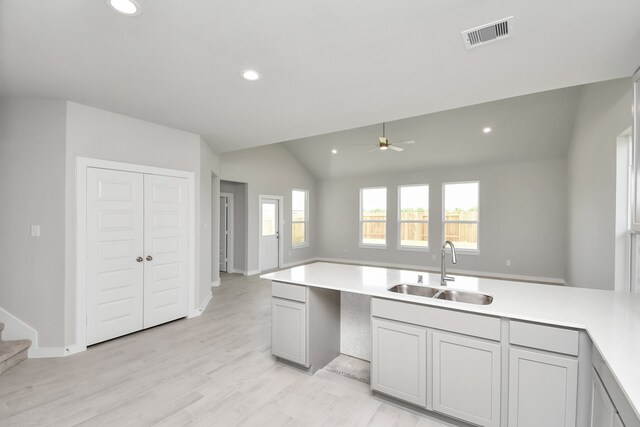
(166, 249)
(114, 251)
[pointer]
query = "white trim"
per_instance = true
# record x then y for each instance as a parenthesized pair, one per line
(16, 329)
(203, 304)
(82, 163)
(251, 272)
(301, 262)
(485, 274)
(371, 245)
(280, 200)
(622, 251)
(216, 283)
(413, 248)
(230, 225)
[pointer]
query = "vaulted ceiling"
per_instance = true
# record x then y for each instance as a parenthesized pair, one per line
(327, 65)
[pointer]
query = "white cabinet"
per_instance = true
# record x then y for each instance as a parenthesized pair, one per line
(603, 411)
(466, 378)
(399, 360)
(542, 389)
(289, 330)
(305, 324)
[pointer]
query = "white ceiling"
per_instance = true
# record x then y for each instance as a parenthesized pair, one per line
(327, 65)
(524, 128)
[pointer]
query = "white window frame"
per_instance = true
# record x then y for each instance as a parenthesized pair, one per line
(305, 222)
(400, 246)
(444, 222)
(361, 221)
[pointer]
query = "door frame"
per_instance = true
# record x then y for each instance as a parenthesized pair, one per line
(280, 200)
(230, 236)
(82, 164)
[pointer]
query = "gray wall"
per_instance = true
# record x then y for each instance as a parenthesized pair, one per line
(271, 170)
(604, 111)
(522, 218)
(239, 191)
(104, 135)
(32, 174)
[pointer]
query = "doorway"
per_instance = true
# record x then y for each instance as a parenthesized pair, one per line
(270, 220)
(226, 232)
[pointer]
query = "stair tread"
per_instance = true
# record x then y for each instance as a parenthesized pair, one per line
(11, 348)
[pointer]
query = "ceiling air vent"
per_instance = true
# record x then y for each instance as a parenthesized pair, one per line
(483, 34)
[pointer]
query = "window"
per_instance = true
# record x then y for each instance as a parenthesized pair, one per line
(461, 215)
(373, 216)
(299, 218)
(413, 217)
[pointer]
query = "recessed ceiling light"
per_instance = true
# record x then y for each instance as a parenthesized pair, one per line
(486, 130)
(251, 75)
(125, 7)
(334, 151)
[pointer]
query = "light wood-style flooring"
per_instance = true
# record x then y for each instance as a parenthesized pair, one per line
(214, 370)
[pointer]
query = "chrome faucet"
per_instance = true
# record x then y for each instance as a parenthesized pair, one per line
(443, 269)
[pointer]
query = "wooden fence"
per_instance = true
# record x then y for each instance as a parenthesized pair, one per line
(419, 232)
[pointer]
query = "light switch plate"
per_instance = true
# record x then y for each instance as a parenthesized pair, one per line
(35, 230)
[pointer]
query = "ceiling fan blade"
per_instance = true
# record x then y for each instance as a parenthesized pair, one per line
(407, 142)
(374, 149)
(394, 148)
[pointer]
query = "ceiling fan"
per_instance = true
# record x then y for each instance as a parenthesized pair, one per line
(384, 144)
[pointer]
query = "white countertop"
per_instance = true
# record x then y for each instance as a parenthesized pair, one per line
(612, 319)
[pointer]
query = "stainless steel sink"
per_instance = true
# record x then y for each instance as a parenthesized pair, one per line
(443, 294)
(468, 297)
(422, 291)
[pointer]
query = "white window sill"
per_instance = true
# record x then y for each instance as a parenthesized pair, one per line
(473, 252)
(369, 246)
(413, 248)
(306, 245)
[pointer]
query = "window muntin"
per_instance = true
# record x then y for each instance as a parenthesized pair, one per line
(299, 218)
(413, 216)
(373, 216)
(460, 214)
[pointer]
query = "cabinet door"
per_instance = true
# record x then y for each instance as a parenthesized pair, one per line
(399, 360)
(289, 330)
(543, 389)
(603, 412)
(466, 378)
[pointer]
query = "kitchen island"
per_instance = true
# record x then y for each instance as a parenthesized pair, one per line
(525, 323)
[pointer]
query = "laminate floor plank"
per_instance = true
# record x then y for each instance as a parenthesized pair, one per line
(213, 370)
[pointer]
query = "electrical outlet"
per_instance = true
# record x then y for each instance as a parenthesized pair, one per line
(35, 230)
(508, 263)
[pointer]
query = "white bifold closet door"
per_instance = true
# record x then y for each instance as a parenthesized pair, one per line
(137, 235)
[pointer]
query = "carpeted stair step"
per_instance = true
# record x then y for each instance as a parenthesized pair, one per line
(12, 353)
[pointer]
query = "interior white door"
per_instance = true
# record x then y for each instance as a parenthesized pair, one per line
(269, 233)
(224, 232)
(166, 249)
(114, 254)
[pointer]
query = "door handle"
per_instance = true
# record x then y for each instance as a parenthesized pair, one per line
(139, 259)
(149, 258)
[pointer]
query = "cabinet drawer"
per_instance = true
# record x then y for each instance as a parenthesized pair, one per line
(289, 291)
(476, 325)
(548, 338)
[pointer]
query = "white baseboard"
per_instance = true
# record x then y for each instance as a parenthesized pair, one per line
(251, 272)
(203, 305)
(215, 283)
(517, 277)
(16, 329)
(296, 263)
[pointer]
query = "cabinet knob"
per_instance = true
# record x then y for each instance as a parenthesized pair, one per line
(149, 258)
(139, 259)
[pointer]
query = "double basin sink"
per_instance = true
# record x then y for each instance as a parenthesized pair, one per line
(443, 294)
